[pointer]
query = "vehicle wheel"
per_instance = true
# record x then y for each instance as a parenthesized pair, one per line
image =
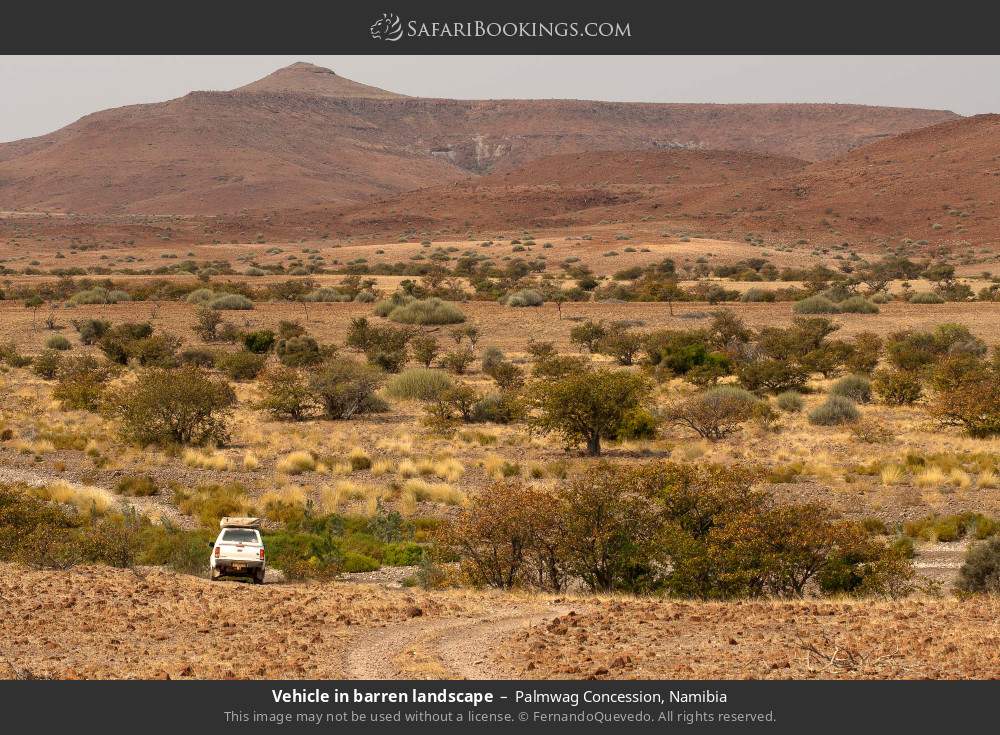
(216, 576)
(258, 577)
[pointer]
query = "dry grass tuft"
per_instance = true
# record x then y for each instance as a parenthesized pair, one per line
(250, 461)
(206, 460)
(296, 463)
(933, 476)
(435, 492)
(382, 466)
(988, 478)
(85, 498)
(892, 474)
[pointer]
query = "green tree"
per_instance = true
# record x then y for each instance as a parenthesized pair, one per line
(587, 406)
(181, 406)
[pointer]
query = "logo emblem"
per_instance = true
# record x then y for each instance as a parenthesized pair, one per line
(387, 28)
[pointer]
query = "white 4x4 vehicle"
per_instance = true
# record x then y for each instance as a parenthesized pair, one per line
(239, 550)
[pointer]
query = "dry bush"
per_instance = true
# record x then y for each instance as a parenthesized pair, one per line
(714, 414)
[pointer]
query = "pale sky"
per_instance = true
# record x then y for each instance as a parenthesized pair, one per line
(44, 93)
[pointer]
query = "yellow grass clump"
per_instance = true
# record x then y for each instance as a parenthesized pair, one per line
(493, 466)
(283, 503)
(435, 492)
(407, 505)
(333, 498)
(205, 460)
(83, 497)
(933, 476)
(892, 474)
(296, 463)
(359, 459)
(250, 461)
(382, 466)
(959, 478)
(407, 468)
(449, 469)
(396, 445)
(988, 478)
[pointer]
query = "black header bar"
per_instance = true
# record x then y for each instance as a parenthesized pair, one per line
(510, 27)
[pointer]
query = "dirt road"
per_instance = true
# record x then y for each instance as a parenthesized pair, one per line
(462, 648)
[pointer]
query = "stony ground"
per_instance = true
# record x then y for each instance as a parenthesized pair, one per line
(909, 639)
(103, 623)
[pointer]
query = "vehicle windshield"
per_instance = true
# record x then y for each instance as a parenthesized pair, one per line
(240, 535)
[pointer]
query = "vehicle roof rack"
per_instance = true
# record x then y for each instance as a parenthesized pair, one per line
(239, 522)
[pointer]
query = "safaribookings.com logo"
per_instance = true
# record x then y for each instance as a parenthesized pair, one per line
(390, 28)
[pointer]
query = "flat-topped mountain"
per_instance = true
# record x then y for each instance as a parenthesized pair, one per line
(304, 136)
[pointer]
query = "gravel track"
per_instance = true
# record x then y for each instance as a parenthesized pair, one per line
(453, 648)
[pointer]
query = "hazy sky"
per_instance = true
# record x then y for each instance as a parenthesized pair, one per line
(43, 93)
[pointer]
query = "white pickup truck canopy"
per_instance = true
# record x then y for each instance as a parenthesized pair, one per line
(239, 522)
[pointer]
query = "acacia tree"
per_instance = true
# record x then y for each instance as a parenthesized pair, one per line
(181, 406)
(587, 406)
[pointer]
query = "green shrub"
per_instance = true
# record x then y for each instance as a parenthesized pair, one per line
(981, 570)
(857, 305)
(137, 486)
(790, 401)
(897, 387)
(772, 375)
(496, 408)
(427, 311)
(10, 355)
(181, 406)
(259, 342)
(383, 346)
(286, 394)
(81, 381)
(329, 295)
(209, 503)
(856, 387)
(201, 296)
(384, 308)
(305, 555)
(46, 364)
(345, 388)
(637, 424)
(757, 295)
(58, 342)
(241, 365)
(425, 348)
(524, 297)
(588, 334)
(621, 344)
(231, 302)
(815, 305)
(177, 549)
(458, 361)
(119, 342)
(198, 357)
(98, 295)
(91, 330)
(418, 384)
(926, 297)
(586, 406)
(299, 351)
(837, 410)
(402, 554)
(354, 562)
